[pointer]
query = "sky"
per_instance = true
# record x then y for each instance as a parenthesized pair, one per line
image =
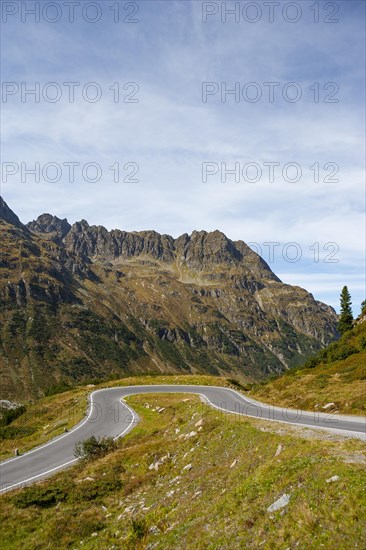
(179, 116)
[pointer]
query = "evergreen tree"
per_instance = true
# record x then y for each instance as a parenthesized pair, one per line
(363, 307)
(346, 317)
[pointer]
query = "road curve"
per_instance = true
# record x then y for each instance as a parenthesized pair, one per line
(109, 415)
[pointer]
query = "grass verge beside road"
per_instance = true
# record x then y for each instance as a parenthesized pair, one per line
(191, 477)
(50, 416)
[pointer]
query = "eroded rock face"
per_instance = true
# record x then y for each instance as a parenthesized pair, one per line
(97, 243)
(117, 302)
(198, 250)
(51, 226)
(7, 215)
(202, 248)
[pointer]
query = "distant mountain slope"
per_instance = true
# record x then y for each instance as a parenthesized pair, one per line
(79, 302)
(335, 378)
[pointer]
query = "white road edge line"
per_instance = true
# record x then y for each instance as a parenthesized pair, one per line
(135, 419)
(258, 403)
(39, 475)
(309, 414)
(57, 438)
(346, 433)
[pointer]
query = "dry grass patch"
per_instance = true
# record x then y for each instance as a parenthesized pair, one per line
(210, 489)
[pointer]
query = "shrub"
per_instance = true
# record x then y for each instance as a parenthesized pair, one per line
(57, 388)
(312, 362)
(363, 343)
(341, 352)
(94, 490)
(43, 496)
(236, 383)
(334, 352)
(138, 530)
(93, 448)
(11, 414)
(11, 432)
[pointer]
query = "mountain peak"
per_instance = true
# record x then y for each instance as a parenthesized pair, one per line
(207, 247)
(8, 216)
(199, 250)
(50, 225)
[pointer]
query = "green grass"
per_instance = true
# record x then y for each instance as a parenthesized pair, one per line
(336, 375)
(124, 504)
(44, 420)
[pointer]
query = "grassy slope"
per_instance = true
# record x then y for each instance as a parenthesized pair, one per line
(44, 420)
(212, 505)
(341, 381)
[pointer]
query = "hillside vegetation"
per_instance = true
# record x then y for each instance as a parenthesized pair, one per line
(190, 477)
(335, 375)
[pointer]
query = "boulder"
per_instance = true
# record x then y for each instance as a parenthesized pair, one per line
(279, 503)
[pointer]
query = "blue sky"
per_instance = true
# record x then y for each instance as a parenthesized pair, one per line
(170, 132)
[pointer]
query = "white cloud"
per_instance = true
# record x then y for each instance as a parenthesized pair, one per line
(170, 132)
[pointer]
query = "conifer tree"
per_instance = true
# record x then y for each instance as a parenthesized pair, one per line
(346, 317)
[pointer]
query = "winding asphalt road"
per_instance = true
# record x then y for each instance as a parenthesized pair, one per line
(109, 415)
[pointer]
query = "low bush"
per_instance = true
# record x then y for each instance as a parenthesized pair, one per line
(138, 532)
(312, 362)
(363, 343)
(12, 432)
(96, 489)
(334, 352)
(93, 448)
(43, 496)
(9, 415)
(57, 388)
(66, 490)
(236, 383)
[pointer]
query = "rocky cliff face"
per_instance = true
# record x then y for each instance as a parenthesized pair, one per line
(8, 215)
(80, 302)
(50, 226)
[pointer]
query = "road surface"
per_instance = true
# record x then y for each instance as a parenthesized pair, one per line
(108, 415)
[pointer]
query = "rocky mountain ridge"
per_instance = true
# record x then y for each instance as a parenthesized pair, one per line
(196, 250)
(80, 301)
